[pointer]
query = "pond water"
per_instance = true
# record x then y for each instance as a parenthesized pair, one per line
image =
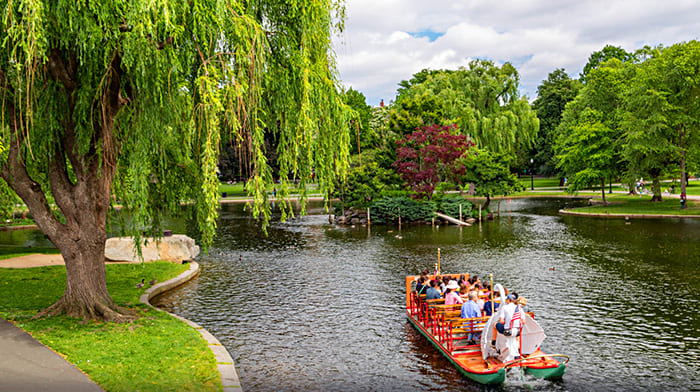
(317, 307)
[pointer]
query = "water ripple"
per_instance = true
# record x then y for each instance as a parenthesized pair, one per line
(316, 307)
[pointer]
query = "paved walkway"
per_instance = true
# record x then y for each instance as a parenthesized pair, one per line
(28, 365)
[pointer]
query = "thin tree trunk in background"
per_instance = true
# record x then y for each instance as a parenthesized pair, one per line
(656, 188)
(602, 189)
(684, 175)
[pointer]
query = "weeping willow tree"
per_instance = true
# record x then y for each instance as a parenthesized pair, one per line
(482, 100)
(128, 100)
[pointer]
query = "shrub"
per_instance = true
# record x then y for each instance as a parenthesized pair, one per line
(388, 209)
(450, 206)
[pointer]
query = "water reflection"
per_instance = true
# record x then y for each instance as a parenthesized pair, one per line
(318, 307)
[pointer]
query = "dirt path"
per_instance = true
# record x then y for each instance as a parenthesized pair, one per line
(41, 260)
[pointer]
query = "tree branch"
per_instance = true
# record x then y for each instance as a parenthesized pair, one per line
(14, 172)
(60, 72)
(62, 188)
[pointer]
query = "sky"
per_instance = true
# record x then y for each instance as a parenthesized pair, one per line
(387, 41)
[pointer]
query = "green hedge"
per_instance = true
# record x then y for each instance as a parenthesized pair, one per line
(388, 209)
(450, 206)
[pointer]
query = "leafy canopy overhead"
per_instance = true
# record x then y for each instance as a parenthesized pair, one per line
(143, 90)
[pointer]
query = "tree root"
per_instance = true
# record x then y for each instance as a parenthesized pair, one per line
(99, 311)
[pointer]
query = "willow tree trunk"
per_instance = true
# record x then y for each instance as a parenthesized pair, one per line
(86, 294)
(77, 171)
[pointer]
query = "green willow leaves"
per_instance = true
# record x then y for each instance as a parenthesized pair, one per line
(149, 88)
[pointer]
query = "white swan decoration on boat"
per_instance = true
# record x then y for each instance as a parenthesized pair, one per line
(507, 348)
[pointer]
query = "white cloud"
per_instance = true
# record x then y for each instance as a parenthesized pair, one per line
(378, 50)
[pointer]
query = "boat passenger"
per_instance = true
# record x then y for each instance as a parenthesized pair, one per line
(451, 295)
(522, 301)
(496, 303)
(432, 292)
(471, 309)
(479, 294)
(442, 281)
(487, 288)
(511, 319)
(421, 286)
(463, 291)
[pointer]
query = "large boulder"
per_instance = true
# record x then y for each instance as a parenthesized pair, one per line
(176, 248)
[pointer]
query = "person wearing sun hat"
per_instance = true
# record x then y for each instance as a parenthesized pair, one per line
(451, 295)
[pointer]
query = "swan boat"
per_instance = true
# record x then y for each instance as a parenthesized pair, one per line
(443, 326)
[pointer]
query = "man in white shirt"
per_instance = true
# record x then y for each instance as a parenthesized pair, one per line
(510, 320)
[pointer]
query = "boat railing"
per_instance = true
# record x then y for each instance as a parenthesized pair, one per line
(460, 329)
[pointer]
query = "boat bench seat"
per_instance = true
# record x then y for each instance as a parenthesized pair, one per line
(448, 312)
(468, 325)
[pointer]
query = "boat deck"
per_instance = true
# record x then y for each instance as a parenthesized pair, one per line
(443, 326)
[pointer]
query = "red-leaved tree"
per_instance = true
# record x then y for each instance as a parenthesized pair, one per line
(429, 156)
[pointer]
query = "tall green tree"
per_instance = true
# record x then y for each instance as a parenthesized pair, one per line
(599, 57)
(590, 152)
(129, 99)
(663, 121)
(589, 147)
(489, 173)
(364, 136)
(552, 96)
(482, 100)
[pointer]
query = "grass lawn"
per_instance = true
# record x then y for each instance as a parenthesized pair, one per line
(693, 188)
(238, 189)
(551, 182)
(9, 252)
(155, 352)
(625, 204)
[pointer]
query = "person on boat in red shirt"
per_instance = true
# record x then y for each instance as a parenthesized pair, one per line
(451, 295)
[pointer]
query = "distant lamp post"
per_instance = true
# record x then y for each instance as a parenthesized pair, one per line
(532, 181)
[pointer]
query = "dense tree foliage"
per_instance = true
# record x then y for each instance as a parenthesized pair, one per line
(490, 174)
(429, 156)
(363, 136)
(552, 96)
(129, 99)
(589, 137)
(607, 53)
(482, 100)
(635, 117)
(663, 114)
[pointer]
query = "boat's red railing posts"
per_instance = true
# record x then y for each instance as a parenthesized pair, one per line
(461, 329)
(449, 341)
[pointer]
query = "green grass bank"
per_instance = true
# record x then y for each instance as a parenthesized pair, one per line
(623, 204)
(155, 352)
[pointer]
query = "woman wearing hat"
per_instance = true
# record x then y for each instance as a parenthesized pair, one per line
(451, 295)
